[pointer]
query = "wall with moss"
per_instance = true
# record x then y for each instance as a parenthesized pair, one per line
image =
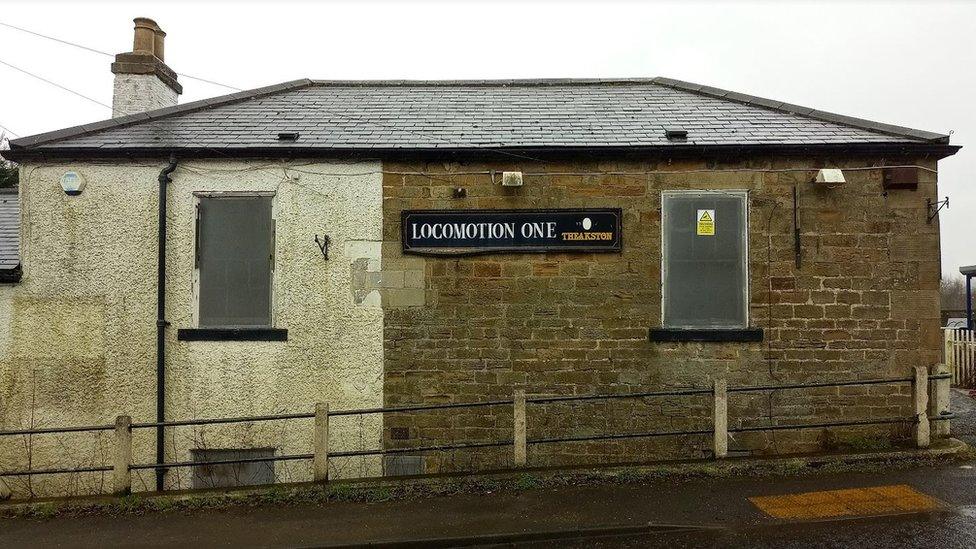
(77, 335)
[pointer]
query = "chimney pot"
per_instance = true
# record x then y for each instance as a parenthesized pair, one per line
(144, 40)
(143, 81)
(159, 39)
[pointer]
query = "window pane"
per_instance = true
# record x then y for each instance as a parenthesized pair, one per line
(704, 274)
(235, 261)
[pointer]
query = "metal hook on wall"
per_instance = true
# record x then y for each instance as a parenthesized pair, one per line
(323, 245)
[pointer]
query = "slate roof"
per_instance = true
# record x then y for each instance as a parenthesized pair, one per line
(9, 236)
(466, 115)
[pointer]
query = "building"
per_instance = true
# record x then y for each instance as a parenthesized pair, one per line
(404, 242)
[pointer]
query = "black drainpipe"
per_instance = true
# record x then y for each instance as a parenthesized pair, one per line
(161, 322)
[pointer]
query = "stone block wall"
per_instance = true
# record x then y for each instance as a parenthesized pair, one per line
(864, 304)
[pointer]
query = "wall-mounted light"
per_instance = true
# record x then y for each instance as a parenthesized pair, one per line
(511, 179)
(72, 183)
(830, 177)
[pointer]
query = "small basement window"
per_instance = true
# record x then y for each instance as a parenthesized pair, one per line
(233, 474)
(235, 256)
(705, 260)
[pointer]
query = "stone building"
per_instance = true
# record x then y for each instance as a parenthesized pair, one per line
(372, 243)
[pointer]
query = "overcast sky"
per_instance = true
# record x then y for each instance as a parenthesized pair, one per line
(912, 64)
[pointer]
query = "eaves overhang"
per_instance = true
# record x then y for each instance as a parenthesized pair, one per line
(930, 150)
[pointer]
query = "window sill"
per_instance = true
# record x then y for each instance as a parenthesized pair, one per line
(721, 335)
(232, 334)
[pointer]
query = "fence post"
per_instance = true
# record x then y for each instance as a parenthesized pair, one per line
(121, 474)
(720, 418)
(521, 445)
(320, 460)
(920, 390)
(949, 359)
(940, 401)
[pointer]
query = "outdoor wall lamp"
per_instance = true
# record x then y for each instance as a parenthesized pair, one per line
(72, 183)
(830, 177)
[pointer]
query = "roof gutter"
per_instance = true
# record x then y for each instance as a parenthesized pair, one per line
(933, 150)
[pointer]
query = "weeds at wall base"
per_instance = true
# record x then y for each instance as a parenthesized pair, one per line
(380, 490)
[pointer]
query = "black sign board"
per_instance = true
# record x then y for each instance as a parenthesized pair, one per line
(459, 232)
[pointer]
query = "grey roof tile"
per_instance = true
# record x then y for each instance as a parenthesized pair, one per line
(348, 115)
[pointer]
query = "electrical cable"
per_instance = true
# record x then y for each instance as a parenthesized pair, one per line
(105, 53)
(8, 130)
(55, 84)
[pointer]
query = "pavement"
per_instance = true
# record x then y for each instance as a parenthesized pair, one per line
(964, 407)
(693, 513)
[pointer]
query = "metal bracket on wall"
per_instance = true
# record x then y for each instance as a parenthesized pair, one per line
(934, 208)
(323, 245)
(796, 228)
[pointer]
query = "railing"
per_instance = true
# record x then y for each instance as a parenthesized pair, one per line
(122, 465)
(960, 356)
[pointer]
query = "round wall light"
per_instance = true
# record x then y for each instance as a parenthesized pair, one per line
(72, 183)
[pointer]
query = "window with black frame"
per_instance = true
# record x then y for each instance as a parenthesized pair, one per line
(705, 260)
(234, 258)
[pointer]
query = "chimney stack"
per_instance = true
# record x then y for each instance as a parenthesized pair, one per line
(143, 81)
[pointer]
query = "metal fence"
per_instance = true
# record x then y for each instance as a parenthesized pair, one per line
(122, 464)
(960, 356)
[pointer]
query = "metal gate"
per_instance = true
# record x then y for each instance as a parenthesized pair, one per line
(960, 356)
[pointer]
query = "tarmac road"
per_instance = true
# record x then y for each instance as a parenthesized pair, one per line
(718, 504)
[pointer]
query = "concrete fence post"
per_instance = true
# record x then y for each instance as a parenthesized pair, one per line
(920, 396)
(320, 460)
(720, 418)
(520, 441)
(121, 473)
(939, 402)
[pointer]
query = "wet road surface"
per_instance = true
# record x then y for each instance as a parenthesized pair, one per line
(722, 505)
(943, 530)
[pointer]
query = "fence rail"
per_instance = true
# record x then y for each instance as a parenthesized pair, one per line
(960, 356)
(922, 383)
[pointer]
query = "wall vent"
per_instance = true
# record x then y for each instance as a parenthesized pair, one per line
(676, 134)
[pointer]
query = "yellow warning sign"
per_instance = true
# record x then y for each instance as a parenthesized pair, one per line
(706, 222)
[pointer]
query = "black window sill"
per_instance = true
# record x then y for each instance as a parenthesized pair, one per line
(232, 334)
(741, 335)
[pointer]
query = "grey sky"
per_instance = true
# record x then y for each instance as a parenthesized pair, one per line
(902, 63)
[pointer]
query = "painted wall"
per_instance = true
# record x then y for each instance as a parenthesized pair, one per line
(77, 335)
(135, 93)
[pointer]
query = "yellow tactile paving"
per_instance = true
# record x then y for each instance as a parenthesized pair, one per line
(875, 500)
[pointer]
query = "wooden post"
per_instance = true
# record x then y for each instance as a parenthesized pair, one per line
(320, 461)
(121, 474)
(720, 418)
(939, 404)
(521, 446)
(920, 390)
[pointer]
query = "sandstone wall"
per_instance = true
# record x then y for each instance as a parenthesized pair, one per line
(864, 304)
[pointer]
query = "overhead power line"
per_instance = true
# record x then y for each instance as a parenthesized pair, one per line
(105, 53)
(45, 80)
(8, 130)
